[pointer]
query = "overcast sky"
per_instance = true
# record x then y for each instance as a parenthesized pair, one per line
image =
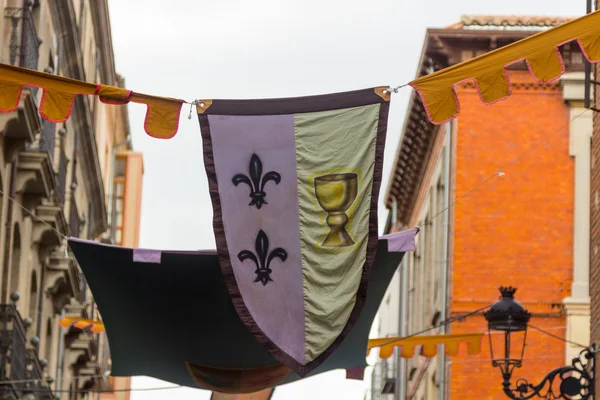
(194, 49)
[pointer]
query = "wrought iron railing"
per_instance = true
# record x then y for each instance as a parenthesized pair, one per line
(61, 178)
(48, 138)
(18, 364)
(24, 41)
(12, 350)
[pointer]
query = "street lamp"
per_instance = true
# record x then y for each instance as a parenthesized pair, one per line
(507, 317)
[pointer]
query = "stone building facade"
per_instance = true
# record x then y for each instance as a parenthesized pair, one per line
(527, 227)
(55, 181)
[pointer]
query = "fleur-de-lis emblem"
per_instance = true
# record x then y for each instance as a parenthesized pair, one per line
(256, 181)
(263, 257)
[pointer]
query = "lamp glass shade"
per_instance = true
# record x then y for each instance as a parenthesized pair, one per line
(507, 323)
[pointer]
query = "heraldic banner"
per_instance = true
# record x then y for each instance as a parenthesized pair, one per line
(294, 185)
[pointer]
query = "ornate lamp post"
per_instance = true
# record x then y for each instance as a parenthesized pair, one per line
(507, 317)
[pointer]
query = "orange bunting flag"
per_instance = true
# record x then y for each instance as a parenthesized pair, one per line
(82, 323)
(58, 96)
(429, 343)
(488, 71)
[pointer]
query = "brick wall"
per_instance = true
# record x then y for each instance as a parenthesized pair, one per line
(514, 230)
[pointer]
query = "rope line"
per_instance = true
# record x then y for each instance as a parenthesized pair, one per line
(83, 391)
(33, 215)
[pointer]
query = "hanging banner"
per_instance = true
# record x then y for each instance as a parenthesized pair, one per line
(294, 185)
(540, 51)
(197, 337)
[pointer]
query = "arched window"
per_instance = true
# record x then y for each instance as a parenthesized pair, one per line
(33, 297)
(49, 341)
(15, 260)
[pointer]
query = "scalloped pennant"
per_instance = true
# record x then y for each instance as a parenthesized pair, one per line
(540, 51)
(82, 323)
(58, 96)
(428, 343)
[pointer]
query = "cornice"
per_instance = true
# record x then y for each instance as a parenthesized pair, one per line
(103, 36)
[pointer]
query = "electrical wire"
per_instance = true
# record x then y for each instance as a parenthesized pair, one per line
(499, 173)
(83, 391)
(443, 323)
(62, 235)
(556, 336)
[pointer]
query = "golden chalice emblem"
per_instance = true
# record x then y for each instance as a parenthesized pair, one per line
(336, 193)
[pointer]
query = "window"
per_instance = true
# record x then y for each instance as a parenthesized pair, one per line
(15, 260)
(49, 341)
(33, 297)
(119, 199)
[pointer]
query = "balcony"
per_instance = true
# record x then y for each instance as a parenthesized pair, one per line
(21, 49)
(24, 42)
(44, 185)
(36, 173)
(19, 364)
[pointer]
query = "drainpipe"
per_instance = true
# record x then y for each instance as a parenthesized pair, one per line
(400, 374)
(445, 249)
(402, 328)
(402, 317)
(61, 350)
(588, 68)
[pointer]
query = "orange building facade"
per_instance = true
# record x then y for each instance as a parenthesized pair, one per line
(502, 198)
(517, 229)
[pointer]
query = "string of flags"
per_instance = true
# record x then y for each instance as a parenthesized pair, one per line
(539, 51)
(294, 185)
(489, 71)
(429, 344)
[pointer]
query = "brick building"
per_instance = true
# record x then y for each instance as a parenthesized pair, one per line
(527, 226)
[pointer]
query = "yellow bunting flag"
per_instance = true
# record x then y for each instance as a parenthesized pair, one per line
(429, 343)
(58, 96)
(539, 51)
(82, 323)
